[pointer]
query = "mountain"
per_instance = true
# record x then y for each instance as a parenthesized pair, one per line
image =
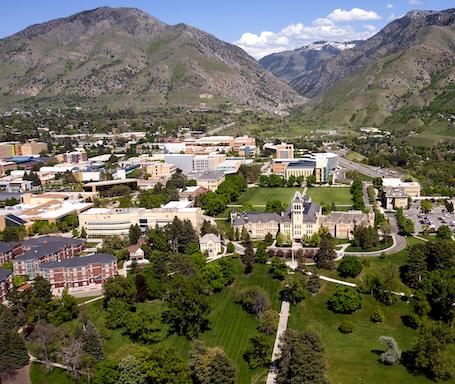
(409, 64)
(292, 65)
(125, 58)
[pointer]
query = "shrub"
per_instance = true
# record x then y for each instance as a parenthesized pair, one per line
(230, 248)
(350, 266)
(268, 322)
(393, 353)
(345, 300)
(346, 326)
(253, 300)
(377, 316)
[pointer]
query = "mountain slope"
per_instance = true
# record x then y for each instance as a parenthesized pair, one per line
(408, 64)
(290, 65)
(125, 58)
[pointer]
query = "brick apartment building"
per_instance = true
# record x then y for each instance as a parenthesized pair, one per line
(9, 250)
(6, 282)
(42, 250)
(79, 271)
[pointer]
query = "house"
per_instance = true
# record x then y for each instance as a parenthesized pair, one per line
(9, 250)
(6, 282)
(38, 250)
(211, 244)
(190, 193)
(136, 255)
(79, 271)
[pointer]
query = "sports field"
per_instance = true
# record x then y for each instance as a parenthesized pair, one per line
(260, 196)
(327, 195)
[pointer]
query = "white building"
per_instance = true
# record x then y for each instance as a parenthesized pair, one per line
(211, 244)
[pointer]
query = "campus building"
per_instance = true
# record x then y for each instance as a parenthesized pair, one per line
(410, 188)
(160, 171)
(300, 220)
(79, 271)
(9, 250)
(6, 282)
(280, 151)
(211, 244)
(210, 180)
(102, 222)
(38, 250)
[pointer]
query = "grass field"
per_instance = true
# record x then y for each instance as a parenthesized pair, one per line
(260, 196)
(340, 196)
(57, 376)
(353, 358)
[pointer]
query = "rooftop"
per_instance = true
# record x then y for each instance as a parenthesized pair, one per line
(80, 261)
(4, 273)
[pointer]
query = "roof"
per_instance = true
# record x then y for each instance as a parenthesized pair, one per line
(356, 217)
(210, 237)
(301, 164)
(4, 273)
(40, 247)
(209, 175)
(255, 217)
(80, 261)
(8, 246)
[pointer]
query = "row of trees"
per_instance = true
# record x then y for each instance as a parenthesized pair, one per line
(357, 195)
(405, 225)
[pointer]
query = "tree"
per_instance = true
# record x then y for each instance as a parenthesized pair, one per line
(187, 307)
(134, 234)
(92, 340)
(344, 300)
(280, 239)
(71, 355)
(143, 327)
(106, 372)
(274, 206)
(350, 266)
(314, 285)
(426, 206)
(405, 225)
(13, 352)
(415, 269)
(346, 326)
(268, 322)
(377, 316)
(393, 354)
(211, 366)
(365, 237)
(248, 257)
(293, 288)
(162, 365)
(121, 288)
(444, 233)
(310, 180)
(117, 312)
(258, 352)
(207, 227)
(63, 309)
(130, 371)
(254, 300)
(230, 248)
(278, 269)
(302, 359)
(83, 234)
(261, 253)
(325, 256)
(45, 335)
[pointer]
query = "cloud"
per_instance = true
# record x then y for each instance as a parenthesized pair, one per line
(389, 6)
(415, 2)
(391, 17)
(330, 28)
(341, 15)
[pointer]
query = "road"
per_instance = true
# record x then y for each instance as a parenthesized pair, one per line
(367, 169)
(276, 354)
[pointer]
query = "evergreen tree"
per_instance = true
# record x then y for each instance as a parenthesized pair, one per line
(212, 366)
(248, 257)
(92, 340)
(134, 234)
(325, 256)
(141, 288)
(416, 267)
(130, 371)
(258, 352)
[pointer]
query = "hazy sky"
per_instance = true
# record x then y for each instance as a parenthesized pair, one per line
(260, 27)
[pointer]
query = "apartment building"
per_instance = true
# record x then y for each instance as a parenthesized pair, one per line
(74, 157)
(9, 250)
(6, 282)
(160, 171)
(79, 271)
(44, 249)
(102, 222)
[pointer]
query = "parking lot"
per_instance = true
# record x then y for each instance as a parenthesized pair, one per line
(432, 220)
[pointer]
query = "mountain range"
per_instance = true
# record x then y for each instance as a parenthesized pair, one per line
(125, 58)
(116, 58)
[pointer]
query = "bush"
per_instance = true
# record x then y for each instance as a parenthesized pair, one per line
(253, 300)
(346, 326)
(377, 316)
(393, 353)
(350, 266)
(230, 248)
(345, 300)
(268, 322)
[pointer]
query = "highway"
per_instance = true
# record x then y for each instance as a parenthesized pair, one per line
(367, 169)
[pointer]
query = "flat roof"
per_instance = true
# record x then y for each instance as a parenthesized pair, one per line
(110, 182)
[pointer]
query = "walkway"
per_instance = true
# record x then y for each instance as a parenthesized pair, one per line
(21, 376)
(276, 354)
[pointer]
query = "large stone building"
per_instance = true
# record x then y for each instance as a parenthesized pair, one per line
(102, 222)
(300, 221)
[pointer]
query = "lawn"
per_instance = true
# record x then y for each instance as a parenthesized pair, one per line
(57, 376)
(260, 196)
(381, 245)
(353, 358)
(230, 326)
(340, 196)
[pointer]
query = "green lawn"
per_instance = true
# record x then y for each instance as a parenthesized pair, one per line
(230, 325)
(382, 245)
(353, 358)
(57, 376)
(341, 196)
(260, 196)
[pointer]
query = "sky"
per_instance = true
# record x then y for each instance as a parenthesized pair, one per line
(259, 27)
